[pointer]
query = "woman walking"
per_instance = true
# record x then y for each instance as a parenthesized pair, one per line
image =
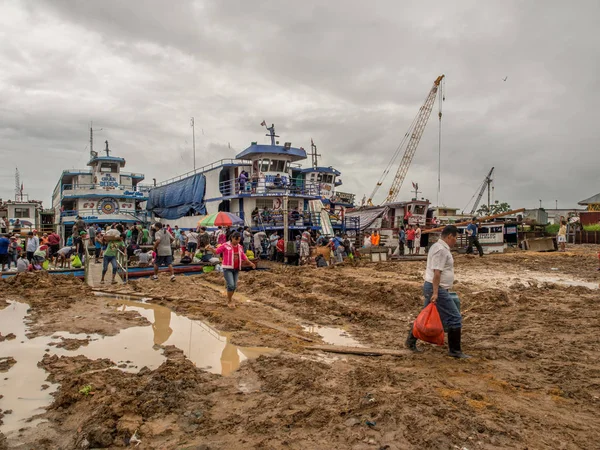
(233, 255)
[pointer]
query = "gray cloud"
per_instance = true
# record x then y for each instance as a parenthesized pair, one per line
(351, 75)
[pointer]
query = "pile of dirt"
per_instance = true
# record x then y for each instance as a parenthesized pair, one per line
(6, 362)
(44, 291)
(99, 406)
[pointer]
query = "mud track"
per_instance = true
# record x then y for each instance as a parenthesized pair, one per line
(530, 320)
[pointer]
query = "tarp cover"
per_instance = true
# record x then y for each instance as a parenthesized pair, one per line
(367, 216)
(177, 199)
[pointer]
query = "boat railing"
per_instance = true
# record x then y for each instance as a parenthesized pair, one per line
(270, 187)
(274, 217)
(214, 165)
(123, 264)
(92, 213)
(134, 191)
(86, 261)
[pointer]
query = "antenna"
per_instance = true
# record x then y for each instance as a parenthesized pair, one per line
(92, 153)
(18, 189)
(313, 153)
(194, 139)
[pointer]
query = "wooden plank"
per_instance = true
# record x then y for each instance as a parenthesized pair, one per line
(479, 220)
(359, 350)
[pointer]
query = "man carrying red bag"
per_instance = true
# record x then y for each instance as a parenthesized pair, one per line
(439, 278)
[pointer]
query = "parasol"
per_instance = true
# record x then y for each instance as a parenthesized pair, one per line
(223, 219)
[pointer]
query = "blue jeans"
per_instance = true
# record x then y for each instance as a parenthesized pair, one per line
(449, 313)
(231, 279)
(112, 260)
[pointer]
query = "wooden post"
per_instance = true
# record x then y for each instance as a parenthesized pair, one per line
(285, 225)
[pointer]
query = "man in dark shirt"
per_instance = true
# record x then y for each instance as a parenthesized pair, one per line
(473, 232)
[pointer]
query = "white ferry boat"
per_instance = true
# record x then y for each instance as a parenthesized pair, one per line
(101, 194)
(271, 177)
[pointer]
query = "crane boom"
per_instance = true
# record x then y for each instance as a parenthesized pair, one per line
(486, 183)
(415, 133)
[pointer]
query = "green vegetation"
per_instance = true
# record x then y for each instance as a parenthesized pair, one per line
(86, 389)
(553, 229)
(495, 208)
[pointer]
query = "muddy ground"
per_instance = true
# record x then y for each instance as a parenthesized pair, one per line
(531, 323)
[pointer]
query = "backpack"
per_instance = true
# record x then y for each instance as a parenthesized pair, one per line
(203, 240)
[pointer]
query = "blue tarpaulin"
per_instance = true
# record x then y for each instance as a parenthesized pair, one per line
(177, 199)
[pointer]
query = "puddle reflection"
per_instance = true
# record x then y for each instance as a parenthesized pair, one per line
(333, 336)
(136, 347)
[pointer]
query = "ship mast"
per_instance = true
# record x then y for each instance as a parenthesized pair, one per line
(314, 155)
(92, 152)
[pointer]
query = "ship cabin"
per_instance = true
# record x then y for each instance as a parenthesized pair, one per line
(104, 193)
(25, 211)
(255, 186)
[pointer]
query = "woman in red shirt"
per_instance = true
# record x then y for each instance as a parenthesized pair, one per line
(233, 255)
(410, 239)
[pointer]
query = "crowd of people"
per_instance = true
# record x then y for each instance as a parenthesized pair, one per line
(409, 239)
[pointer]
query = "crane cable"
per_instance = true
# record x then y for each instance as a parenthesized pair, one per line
(396, 154)
(442, 98)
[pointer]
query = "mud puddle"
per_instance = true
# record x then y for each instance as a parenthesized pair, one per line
(206, 347)
(24, 386)
(567, 282)
(333, 336)
(488, 277)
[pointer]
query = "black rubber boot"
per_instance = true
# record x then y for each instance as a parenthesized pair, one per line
(411, 341)
(454, 350)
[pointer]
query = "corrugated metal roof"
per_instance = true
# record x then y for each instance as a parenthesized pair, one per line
(591, 200)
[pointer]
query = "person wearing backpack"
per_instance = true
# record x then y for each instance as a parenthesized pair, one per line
(203, 239)
(439, 278)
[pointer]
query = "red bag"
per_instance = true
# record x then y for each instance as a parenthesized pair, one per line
(428, 326)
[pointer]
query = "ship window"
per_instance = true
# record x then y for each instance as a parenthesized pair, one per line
(277, 166)
(264, 167)
(21, 213)
(419, 209)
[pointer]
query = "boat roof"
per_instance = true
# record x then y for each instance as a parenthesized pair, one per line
(116, 159)
(296, 154)
(321, 170)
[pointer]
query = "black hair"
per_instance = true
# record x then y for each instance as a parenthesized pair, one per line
(474, 219)
(449, 230)
(235, 235)
(158, 225)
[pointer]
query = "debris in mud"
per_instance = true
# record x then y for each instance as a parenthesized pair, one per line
(6, 362)
(8, 337)
(70, 344)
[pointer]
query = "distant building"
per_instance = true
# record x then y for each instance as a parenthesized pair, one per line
(592, 213)
(27, 211)
(445, 215)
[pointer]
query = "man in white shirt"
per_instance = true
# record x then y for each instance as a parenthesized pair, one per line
(439, 278)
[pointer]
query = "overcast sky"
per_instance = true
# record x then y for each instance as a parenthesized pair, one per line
(350, 74)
